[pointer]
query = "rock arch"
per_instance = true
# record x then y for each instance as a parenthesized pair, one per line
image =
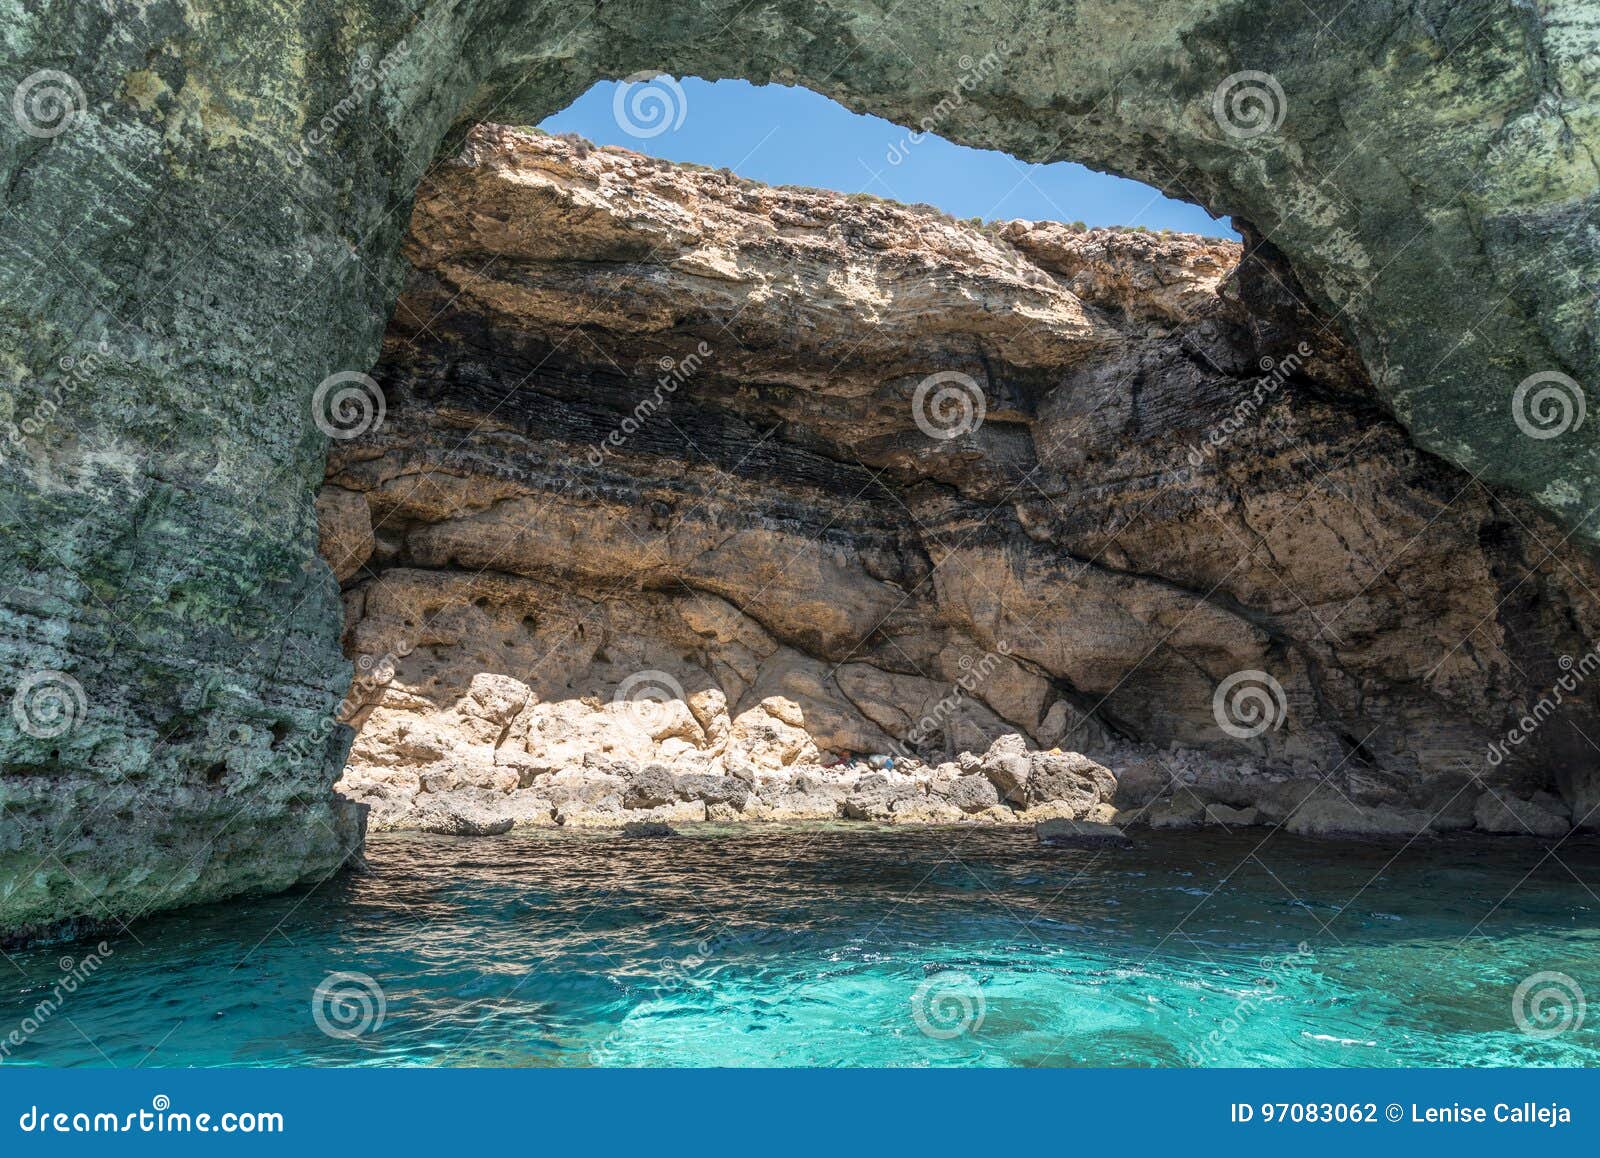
(213, 230)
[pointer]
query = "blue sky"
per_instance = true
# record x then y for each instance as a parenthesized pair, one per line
(792, 136)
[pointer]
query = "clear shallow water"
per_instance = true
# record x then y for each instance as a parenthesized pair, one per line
(851, 946)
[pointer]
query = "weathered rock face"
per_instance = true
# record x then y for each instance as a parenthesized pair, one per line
(666, 480)
(216, 231)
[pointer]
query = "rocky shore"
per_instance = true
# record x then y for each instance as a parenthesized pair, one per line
(1007, 784)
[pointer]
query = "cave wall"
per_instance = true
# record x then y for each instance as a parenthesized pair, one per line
(654, 430)
(206, 226)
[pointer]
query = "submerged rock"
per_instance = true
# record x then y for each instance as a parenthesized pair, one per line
(648, 829)
(1063, 833)
(1232, 817)
(1331, 815)
(1507, 815)
(453, 822)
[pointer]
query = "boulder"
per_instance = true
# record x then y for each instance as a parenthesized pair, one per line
(772, 735)
(1056, 810)
(456, 775)
(792, 806)
(710, 709)
(925, 810)
(648, 829)
(390, 799)
(1183, 811)
(677, 812)
(1279, 800)
(1140, 781)
(583, 786)
(1228, 817)
(1328, 814)
(1501, 813)
(461, 817)
(999, 814)
(969, 794)
(1068, 778)
(604, 813)
(1064, 833)
(875, 796)
(1451, 802)
(528, 808)
(784, 710)
(649, 787)
(711, 789)
(1007, 766)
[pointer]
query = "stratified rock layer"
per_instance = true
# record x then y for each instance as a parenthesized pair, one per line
(665, 481)
(203, 208)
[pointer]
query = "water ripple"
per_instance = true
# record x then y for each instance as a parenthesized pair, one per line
(853, 946)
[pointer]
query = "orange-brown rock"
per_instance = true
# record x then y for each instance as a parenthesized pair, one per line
(682, 470)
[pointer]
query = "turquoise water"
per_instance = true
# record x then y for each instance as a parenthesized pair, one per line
(849, 946)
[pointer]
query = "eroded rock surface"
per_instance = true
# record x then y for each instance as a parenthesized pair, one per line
(203, 208)
(666, 516)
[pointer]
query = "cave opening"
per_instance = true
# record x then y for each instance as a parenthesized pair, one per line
(669, 457)
(204, 246)
(695, 497)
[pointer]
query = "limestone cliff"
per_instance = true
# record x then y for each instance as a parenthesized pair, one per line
(808, 474)
(203, 211)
